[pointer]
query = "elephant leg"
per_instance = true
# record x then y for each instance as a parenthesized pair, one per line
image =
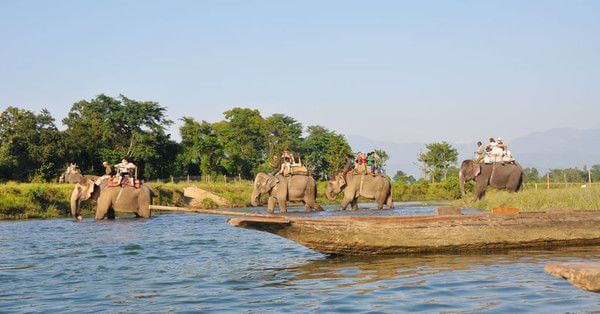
(345, 201)
(101, 210)
(512, 185)
(271, 205)
(307, 207)
(355, 204)
(380, 202)
(389, 202)
(479, 191)
(145, 213)
(282, 206)
(311, 202)
(110, 214)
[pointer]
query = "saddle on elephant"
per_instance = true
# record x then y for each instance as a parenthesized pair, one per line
(116, 181)
(296, 169)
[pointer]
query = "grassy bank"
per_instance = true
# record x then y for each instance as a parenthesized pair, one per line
(541, 199)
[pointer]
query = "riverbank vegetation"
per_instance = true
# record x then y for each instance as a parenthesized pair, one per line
(574, 197)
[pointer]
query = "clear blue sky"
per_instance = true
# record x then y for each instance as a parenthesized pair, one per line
(392, 70)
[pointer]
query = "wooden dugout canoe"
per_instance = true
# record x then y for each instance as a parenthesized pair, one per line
(372, 235)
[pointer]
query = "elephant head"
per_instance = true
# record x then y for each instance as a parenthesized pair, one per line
(263, 184)
(83, 191)
(71, 175)
(335, 186)
(469, 170)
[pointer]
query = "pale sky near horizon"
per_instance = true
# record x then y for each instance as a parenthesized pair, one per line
(395, 71)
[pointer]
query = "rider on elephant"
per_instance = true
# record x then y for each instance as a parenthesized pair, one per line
(125, 168)
(275, 165)
(348, 166)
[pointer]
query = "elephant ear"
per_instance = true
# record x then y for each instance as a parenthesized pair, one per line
(87, 188)
(271, 182)
(476, 170)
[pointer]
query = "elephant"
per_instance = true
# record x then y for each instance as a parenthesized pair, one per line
(112, 198)
(378, 188)
(71, 175)
(285, 188)
(501, 176)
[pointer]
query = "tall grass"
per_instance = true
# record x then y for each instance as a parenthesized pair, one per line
(587, 198)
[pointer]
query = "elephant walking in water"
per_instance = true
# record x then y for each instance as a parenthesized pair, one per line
(285, 188)
(377, 188)
(501, 176)
(110, 199)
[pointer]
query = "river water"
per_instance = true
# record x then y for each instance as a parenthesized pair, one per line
(180, 262)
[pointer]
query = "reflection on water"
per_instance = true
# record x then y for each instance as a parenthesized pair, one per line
(192, 262)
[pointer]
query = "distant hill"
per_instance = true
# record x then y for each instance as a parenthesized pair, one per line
(555, 148)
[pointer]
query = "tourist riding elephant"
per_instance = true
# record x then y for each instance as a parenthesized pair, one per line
(501, 176)
(285, 188)
(377, 188)
(110, 199)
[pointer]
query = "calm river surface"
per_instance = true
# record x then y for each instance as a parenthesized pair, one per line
(194, 262)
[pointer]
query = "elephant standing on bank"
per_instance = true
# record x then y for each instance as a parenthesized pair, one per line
(285, 188)
(110, 199)
(501, 176)
(377, 188)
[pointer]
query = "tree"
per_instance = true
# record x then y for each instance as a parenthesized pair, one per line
(282, 132)
(531, 175)
(381, 157)
(242, 135)
(438, 158)
(109, 129)
(29, 145)
(324, 151)
(400, 176)
(202, 152)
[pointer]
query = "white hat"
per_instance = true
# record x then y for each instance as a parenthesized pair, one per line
(499, 139)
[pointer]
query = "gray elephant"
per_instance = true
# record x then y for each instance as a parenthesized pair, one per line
(71, 175)
(501, 176)
(112, 198)
(285, 188)
(377, 188)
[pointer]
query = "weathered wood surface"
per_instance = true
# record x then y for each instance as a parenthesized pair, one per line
(585, 276)
(372, 235)
(208, 211)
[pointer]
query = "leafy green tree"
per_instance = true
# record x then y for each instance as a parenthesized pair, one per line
(201, 149)
(437, 160)
(108, 129)
(531, 175)
(29, 145)
(242, 135)
(324, 151)
(381, 158)
(282, 132)
(401, 176)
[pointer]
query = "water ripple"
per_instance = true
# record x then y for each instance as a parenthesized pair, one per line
(191, 263)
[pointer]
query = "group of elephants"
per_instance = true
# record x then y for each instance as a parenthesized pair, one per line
(281, 189)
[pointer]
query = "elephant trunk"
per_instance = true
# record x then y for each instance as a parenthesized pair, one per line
(329, 193)
(461, 180)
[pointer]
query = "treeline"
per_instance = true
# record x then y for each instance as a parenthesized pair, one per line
(564, 175)
(32, 148)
